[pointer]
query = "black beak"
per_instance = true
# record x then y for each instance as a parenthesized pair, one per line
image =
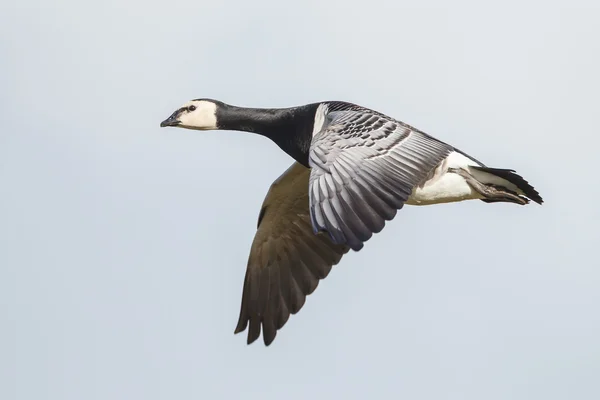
(171, 121)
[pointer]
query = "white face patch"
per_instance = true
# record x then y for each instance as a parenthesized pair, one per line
(198, 114)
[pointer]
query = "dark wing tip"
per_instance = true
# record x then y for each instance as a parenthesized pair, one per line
(294, 275)
(253, 331)
(241, 326)
(269, 333)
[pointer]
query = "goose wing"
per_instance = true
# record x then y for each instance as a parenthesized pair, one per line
(286, 260)
(364, 166)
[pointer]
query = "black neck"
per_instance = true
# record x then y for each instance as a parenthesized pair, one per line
(290, 128)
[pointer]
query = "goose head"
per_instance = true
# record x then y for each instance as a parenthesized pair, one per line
(200, 114)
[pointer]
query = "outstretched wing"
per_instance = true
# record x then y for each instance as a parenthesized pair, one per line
(286, 260)
(364, 166)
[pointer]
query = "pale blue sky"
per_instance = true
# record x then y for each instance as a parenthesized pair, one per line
(123, 246)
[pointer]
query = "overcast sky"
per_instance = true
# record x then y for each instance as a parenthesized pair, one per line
(123, 246)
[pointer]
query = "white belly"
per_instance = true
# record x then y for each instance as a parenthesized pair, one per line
(444, 186)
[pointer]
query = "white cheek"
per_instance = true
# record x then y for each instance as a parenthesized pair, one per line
(204, 117)
(207, 119)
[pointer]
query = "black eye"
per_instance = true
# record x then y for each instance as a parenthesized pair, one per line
(191, 108)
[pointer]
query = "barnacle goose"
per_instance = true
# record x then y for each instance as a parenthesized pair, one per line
(354, 169)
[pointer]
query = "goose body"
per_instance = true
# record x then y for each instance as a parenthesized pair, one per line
(354, 169)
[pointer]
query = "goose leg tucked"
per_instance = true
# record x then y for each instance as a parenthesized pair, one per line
(459, 178)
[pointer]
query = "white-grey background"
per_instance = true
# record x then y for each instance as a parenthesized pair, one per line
(123, 246)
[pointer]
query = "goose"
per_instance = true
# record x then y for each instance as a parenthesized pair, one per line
(353, 169)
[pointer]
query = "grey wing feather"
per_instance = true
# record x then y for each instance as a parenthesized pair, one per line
(363, 169)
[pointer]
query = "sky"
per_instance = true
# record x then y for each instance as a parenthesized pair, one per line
(123, 246)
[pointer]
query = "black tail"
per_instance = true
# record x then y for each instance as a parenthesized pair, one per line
(515, 179)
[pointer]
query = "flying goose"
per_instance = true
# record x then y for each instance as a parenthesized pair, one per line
(354, 169)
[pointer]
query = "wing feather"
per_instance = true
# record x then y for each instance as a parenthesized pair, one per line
(287, 259)
(364, 166)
